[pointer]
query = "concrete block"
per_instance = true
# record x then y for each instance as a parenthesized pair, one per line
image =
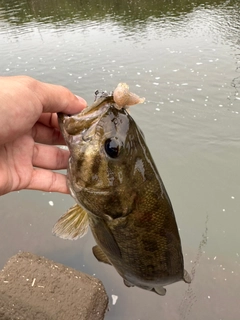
(35, 288)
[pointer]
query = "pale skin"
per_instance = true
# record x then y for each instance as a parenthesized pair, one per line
(28, 132)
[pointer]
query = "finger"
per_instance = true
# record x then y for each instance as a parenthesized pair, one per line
(46, 135)
(49, 157)
(49, 120)
(55, 98)
(48, 181)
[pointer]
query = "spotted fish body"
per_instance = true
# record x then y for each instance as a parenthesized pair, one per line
(114, 180)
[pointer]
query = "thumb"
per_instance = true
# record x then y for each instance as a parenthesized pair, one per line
(56, 98)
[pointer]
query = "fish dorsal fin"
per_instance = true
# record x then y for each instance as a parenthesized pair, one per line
(100, 255)
(73, 224)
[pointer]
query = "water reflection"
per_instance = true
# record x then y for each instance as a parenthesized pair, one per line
(125, 12)
(135, 17)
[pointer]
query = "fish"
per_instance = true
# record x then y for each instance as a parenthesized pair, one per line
(120, 194)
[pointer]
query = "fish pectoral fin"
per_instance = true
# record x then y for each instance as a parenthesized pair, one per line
(100, 255)
(73, 224)
(159, 290)
(186, 277)
(127, 283)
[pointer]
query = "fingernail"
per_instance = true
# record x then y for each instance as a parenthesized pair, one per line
(83, 101)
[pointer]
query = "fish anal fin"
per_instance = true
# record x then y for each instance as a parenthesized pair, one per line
(73, 224)
(186, 277)
(159, 290)
(127, 283)
(100, 255)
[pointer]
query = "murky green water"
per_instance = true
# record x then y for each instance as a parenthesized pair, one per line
(184, 57)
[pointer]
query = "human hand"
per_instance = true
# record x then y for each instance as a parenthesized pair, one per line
(28, 129)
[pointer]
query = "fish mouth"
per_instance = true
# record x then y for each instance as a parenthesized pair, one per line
(62, 116)
(77, 123)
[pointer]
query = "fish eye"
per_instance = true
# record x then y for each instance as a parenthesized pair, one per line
(112, 147)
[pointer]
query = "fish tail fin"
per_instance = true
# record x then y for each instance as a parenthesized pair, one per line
(73, 224)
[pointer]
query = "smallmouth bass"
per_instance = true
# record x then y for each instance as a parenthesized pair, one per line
(120, 194)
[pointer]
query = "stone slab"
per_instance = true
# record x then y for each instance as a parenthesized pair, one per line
(35, 288)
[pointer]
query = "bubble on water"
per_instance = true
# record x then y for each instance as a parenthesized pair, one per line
(156, 83)
(51, 203)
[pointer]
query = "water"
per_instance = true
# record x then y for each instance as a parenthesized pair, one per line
(184, 57)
